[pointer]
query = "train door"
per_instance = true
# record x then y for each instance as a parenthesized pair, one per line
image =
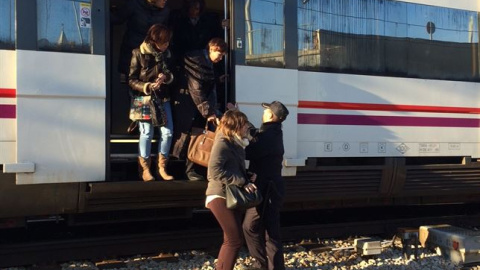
(123, 146)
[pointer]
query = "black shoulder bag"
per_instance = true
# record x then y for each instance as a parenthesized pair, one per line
(157, 112)
(238, 198)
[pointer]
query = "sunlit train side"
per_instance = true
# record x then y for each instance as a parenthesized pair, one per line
(53, 104)
(383, 101)
(384, 96)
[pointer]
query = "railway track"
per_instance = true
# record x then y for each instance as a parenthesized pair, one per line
(103, 244)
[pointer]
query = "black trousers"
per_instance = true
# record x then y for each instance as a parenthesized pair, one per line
(262, 235)
(198, 169)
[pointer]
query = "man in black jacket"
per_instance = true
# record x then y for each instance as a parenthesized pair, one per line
(261, 225)
(196, 99)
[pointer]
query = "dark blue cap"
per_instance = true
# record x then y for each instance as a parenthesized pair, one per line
(278, 109)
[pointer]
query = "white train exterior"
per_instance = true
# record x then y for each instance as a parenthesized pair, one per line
(52, 120)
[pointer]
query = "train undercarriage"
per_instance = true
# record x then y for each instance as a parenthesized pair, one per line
(328, 183)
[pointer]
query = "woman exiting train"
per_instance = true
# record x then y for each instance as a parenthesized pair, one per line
(150, 76)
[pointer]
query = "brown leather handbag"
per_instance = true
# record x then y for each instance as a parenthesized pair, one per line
(201, 142)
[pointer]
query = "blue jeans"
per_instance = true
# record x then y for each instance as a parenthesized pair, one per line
(146, 135)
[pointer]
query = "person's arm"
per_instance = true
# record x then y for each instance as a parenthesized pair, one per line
(134, 76)
(219, 156)
(258, 148)
(263, 144)
(166, 67)
(198, 75)
(204, 102)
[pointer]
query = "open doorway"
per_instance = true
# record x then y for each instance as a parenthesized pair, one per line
(124, 146)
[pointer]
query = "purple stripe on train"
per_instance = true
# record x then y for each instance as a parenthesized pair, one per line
(7, 111)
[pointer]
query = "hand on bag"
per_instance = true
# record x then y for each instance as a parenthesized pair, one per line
(250, 187)
(214, 119)
(155, 86)
(158, 82)
(161, 78)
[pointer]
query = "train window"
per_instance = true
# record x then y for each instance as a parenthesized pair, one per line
(264, 20)
(390, 38)
(64, 25)
(7, 24)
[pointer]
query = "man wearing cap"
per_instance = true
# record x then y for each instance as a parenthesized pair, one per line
(261, 225)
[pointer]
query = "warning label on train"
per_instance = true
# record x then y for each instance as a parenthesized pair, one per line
(429, 147)
(85, 15)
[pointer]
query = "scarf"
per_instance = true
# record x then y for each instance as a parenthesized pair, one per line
(158, 55)
(242, 142)
(146, 48)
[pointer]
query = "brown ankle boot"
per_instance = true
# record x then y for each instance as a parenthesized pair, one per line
(162, 168)
(144, 169)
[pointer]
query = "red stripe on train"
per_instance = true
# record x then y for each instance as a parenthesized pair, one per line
(7, 93)
(7, 111)
(384, 107)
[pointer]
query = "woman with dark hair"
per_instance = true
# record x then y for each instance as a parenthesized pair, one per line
(139, 15)
(150, 76)
(226, 167)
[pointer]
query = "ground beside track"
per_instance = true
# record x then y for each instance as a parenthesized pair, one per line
(115, 242)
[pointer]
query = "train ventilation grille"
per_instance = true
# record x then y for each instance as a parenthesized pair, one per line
(336, 184)
(446, 179)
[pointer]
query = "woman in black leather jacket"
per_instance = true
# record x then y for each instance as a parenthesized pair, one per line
(150, 76)
(139, 15)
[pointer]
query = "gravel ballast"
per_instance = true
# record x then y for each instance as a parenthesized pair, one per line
(340, 257)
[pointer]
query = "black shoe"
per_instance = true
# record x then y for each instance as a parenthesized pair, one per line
(193, 176)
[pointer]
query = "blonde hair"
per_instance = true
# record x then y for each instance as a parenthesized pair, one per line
(232, 123)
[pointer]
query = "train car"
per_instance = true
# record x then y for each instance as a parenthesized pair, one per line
(383, 100)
